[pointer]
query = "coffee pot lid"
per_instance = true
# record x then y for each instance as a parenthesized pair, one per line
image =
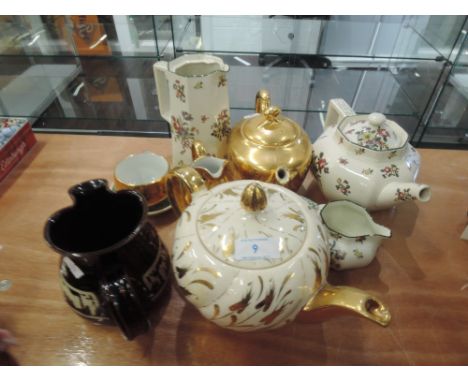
(373, 131)
(251, 224)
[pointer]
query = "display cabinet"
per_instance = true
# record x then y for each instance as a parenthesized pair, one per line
(448, 118)
(90, 74)
(93, 74)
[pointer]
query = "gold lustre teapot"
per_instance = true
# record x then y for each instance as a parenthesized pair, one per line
(269, 147)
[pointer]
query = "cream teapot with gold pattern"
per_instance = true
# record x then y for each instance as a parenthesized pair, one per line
(252, 255)
(366, 159)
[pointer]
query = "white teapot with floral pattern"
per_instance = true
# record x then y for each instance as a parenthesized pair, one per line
(252, 255)
(193, 97)
(366, 159)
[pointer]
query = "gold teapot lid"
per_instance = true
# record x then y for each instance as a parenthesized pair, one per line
(268, 127)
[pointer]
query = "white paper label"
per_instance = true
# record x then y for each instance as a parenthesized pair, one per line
(75, 271)
(265, 248)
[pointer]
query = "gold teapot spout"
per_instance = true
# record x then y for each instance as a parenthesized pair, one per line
(352, 299)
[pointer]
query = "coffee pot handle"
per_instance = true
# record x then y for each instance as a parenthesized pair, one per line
(124, 302)
(160, 70)
(338, 109)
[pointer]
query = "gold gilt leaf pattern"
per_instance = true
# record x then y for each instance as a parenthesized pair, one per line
(216, 311)
(286, 279)
(264, 233)
(212, 271)
(189, 217)
(187, 246)
(318, 276)
(271, 317)
(266, 302)
(286, 294)
(292, 215)
(322, 235)
(207, 217)
(240, 306)
(230, 192)
(261, 286)
(202, 282)
(227, 246)
(297, 227)
(314, 251)
(233, 320)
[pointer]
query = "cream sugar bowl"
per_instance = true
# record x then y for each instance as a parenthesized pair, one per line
(366, 159)
(252, 255)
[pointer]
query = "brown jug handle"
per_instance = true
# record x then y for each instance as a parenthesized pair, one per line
(124, 302)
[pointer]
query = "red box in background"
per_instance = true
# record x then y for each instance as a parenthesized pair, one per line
(16, 139)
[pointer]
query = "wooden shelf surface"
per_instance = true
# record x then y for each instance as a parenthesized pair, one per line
(421, 273)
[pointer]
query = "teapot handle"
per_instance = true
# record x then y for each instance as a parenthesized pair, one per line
(352, 299)
(160, 70)
(338, 109)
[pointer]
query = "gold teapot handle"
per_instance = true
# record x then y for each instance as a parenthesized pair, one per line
(262, 101)
(352, 299)
(181, 183)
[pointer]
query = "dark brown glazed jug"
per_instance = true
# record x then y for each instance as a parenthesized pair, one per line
(114, 266)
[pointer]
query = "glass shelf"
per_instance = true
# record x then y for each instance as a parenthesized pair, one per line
(401, 37)
(448, 123)
(391, 90)
(107, 95)
(93, 74)
(127, 36)
(111, 89)
(123, 89)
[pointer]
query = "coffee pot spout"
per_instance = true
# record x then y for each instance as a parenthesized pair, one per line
(397, 192)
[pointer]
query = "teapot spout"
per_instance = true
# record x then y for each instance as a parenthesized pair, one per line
(397, 192)
(352, 299)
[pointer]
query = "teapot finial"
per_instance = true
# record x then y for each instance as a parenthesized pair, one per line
(376, 119)
(272, 113)
(254, 198)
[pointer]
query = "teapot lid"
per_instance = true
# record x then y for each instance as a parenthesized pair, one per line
(373, 131)
(251, 224)
(268, 127)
